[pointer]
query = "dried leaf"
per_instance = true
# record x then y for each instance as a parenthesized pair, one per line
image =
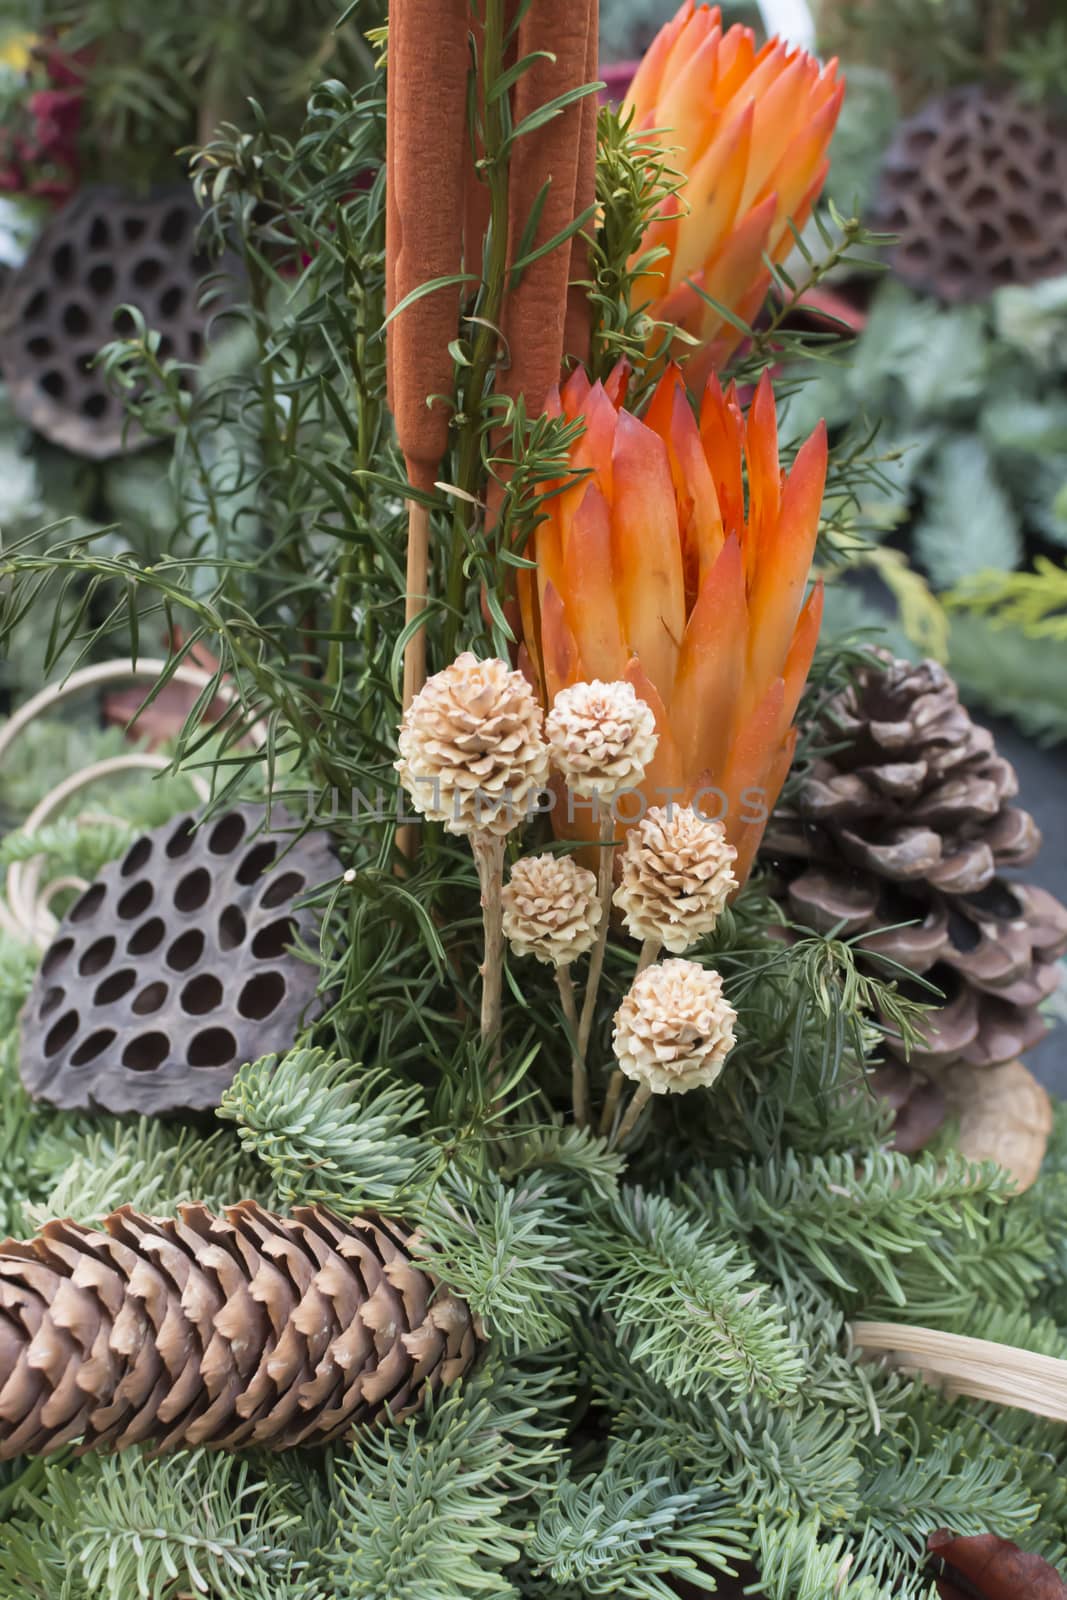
(992, 1568)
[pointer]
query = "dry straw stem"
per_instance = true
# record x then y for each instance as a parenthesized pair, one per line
(415, 598)
(650, 951)
(488, 851)
(605, 878)
(27, 914)
(642, 1095)
(977, 1368)
(579, 1075)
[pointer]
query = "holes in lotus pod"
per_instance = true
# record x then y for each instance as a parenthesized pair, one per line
(136, 857)
(214, 1047)
(93, 1046)
(56, 956)
(274, 940)
(281, 889)
(146, 937)
(61, 1034)
(201, 994)
(89, 904)
(63, 261)
(136, 900)
(232, 928)
(193, 890)
(147, 1052)
(97, 956)
(52, 997)
(101, 279)
(114, 986)
(170, 301)
(175, 226)
(181, 840)
(147, 272)
(227, 834)
(261, 995)
(186, 951)
(256, 862)
(150, 999)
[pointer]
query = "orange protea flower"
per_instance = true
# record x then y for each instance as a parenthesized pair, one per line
(749, 129)
(656, 568)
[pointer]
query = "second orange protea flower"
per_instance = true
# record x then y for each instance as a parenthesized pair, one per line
(660, 569)
(750, 129)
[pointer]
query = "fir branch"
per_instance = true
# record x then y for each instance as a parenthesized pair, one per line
(852, 1223)
(797, 1562)
(573, 1159)
(632, 1527)
(130, 1525)
(686, 1302)
(328, 1131)
(423, 1513)
(943, 1482)
(1011, 675)
(512, 1253)
(969, 523)
(144, 1164)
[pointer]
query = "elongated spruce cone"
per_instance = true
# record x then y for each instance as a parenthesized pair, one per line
(899, 838)
(246, 1329)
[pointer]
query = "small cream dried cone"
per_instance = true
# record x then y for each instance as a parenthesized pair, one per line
(677, 875)
(601, 737)
(551, 909)
(473, 756)
(673, 1032)
(472, 751)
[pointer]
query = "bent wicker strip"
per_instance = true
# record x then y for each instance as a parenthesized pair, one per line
(224, 1332)
(978, 1368)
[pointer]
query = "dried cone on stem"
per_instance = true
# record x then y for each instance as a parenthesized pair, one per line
(472, 754)
(677, 875)
(551, 909)
(910, 820)
(601, 738)
(247, 1329)
(675, 1028)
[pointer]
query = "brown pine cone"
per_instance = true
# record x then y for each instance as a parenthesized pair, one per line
(247, 1329)
(910, 821)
